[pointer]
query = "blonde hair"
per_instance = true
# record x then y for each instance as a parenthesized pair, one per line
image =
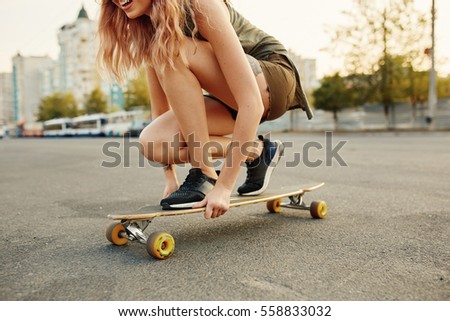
(155, 40)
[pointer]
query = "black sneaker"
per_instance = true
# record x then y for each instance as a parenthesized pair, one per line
(260, 169)
(193, 190)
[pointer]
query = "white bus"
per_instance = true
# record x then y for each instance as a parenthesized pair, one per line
(60, 127)
(124, 122)
(88, 125)
(118, 123)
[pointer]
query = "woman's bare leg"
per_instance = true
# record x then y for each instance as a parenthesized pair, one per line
(163, 142)
(183, 88)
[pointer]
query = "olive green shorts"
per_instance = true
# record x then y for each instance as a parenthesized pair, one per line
(281, 84)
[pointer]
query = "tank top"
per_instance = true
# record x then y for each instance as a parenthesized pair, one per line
(260, 45)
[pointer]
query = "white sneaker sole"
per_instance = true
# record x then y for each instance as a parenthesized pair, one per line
(182, 206)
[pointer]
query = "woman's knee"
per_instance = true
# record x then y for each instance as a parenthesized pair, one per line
(159, 146)
(147, 142)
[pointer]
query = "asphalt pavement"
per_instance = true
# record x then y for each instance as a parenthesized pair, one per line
(386, 237)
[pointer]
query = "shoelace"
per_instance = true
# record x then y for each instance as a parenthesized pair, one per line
(251, 174)
(252, 166)
(192, 181)
(252, 170)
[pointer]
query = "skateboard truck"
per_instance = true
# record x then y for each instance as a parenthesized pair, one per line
(135, 230)
(297, 199)
(296, 202)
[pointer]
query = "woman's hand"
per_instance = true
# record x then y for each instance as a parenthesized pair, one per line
(217, 202)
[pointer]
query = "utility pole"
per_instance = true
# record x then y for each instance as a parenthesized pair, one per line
(432, 92)
(385, 71)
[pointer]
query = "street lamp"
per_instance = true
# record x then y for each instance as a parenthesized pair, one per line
(432, 93)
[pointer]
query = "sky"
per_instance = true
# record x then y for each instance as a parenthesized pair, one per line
(30, 27)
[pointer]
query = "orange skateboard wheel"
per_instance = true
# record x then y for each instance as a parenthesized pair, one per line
(274, 206)
(113, 234)
(318, 209)
(160, 245)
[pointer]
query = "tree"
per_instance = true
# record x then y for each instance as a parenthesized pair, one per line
(443, 87)
(333, 95)
(377, 35)
(95, 102)
(361, 88)
(416, 88)
(137, 93)
(58, 105)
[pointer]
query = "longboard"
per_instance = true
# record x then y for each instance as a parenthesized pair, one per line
(161, 245)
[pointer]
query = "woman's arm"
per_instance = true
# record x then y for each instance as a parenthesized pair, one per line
(214, 24)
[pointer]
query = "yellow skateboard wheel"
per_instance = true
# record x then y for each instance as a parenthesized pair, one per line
(113, 234)
(318, 209)
(274, 206)
(160, 245)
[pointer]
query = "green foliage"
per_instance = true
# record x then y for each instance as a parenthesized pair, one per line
(396, 78)
(374, 31)
(333, 94)
(385, 42)
(443, 85)
(96, 102)
(58, 105)
(405, 84)
(361, 87)
(137, 93)
(416, 87)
